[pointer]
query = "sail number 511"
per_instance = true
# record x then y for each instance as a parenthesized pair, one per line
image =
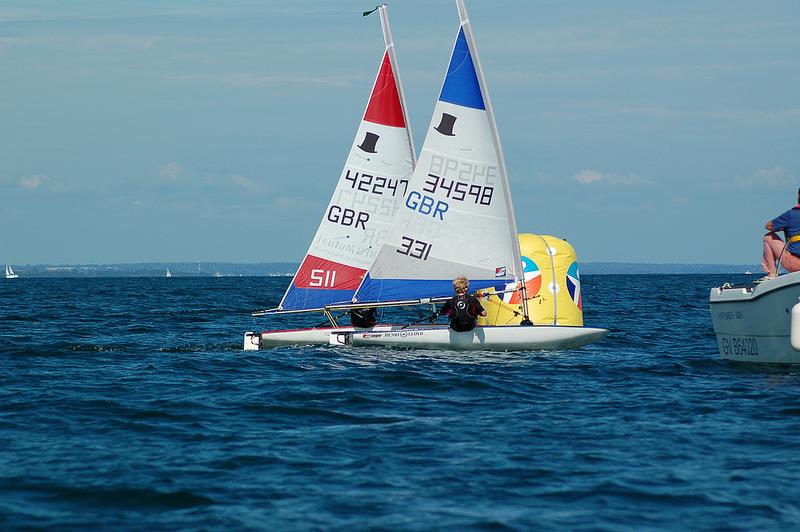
(416, 249)
(322, 278)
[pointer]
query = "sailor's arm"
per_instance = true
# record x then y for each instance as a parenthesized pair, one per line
(446, 308)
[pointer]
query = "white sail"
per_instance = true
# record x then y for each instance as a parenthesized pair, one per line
(169, 273)
(10, 273)
(367, 196)
(457, 216)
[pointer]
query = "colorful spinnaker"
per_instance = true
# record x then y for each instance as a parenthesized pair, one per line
(368, 194)
(457, 216)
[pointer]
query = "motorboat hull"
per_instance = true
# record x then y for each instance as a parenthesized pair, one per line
(753, 323)
(435, 337)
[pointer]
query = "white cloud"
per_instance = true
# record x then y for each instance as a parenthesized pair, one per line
(170, 171)
(101, 42)
(251, 80)
(246, 183)
(774, 177)
(296, 204)
(587, 177)
(33, 182)
(175, 173)
(744, 115)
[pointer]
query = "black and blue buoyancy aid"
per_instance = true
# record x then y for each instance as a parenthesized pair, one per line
(462, 317)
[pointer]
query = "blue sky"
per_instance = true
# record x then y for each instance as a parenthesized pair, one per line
(178, 131)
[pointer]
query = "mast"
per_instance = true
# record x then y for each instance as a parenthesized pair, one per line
(383, 10)
(518, 274)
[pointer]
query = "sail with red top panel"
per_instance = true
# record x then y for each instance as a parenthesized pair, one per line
(368, 193)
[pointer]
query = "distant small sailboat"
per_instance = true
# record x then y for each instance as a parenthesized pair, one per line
(10, 273)
(169, 273)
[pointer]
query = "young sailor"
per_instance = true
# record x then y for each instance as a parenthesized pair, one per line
(789, 223)
(463, 308)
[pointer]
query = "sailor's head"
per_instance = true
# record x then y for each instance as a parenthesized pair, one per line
(461, 284)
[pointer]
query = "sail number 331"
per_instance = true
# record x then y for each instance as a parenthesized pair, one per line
(416, 249)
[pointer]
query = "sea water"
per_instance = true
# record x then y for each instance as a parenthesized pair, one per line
(128, 403)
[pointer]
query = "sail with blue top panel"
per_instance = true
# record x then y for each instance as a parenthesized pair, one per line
(461, 85)
(456, 217)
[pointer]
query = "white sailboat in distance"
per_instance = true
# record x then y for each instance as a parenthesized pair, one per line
(169, 273)
(10, 273)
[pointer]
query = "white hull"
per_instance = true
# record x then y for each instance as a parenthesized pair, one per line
(753, 323)
(434, 337)
(316, 336)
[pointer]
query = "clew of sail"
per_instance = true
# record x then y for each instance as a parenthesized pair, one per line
(367, 196)
(457, 217)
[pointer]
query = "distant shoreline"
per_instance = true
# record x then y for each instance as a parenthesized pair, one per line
(287, 269)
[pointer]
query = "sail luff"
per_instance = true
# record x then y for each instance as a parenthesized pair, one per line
(518, 274)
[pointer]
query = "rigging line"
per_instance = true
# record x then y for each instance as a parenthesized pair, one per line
(327, 321)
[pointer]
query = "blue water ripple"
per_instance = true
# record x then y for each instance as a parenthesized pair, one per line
(128, 403)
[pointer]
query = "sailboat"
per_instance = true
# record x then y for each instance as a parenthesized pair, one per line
(10, 273)
(169, 273)
(455, 217)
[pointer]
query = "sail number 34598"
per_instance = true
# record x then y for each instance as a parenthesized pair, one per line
(416, 249)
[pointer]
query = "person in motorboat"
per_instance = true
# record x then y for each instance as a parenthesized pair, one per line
(463, 308)
(775, 250)
(363, 317)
